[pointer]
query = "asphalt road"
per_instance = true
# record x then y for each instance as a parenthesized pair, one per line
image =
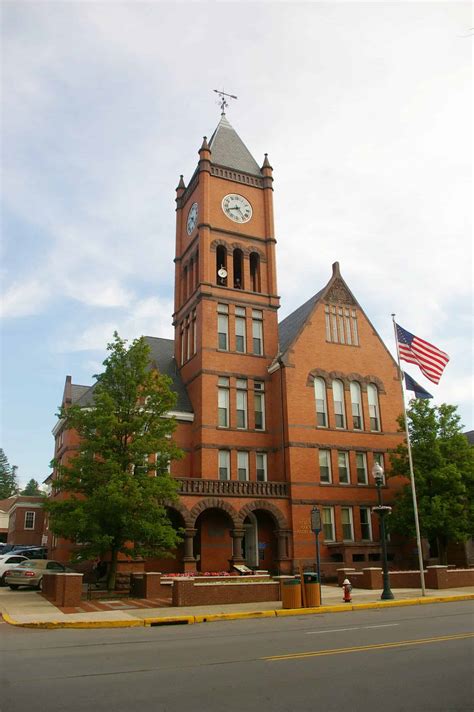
(411, 659)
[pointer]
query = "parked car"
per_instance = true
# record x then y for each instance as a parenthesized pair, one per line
(6, 562)
(31, 573)
(32, 552)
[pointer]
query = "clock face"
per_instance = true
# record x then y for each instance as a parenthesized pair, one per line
(237, 208)
(192, 218)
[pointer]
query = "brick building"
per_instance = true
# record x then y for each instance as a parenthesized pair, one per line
(273, 417)
(25, 520)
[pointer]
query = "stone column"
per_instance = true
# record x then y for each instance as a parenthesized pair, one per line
(237, 536)
(188, 558)
(282, 535)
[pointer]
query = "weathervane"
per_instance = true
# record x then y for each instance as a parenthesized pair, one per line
(222, 101)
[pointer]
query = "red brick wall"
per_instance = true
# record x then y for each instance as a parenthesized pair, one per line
(187, 593)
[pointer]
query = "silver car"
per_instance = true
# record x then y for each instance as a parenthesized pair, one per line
(31, 573)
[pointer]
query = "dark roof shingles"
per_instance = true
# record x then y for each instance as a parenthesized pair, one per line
(228, 149)
(290, 327)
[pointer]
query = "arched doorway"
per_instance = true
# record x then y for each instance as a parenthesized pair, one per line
(173, 564)
(260, 542)
(213, 540)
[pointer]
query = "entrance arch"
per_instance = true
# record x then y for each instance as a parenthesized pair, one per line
(213, 540)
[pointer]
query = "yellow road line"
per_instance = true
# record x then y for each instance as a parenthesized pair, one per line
(378, 646)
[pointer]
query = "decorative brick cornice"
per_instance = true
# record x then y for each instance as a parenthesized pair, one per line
(236, 176)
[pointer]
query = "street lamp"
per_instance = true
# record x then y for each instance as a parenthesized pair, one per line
(316, 528)
(382, 511)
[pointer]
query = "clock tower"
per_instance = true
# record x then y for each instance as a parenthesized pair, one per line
(226, 302)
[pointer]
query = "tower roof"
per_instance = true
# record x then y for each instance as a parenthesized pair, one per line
(229, 150)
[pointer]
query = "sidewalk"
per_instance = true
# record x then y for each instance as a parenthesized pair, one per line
(30, 609)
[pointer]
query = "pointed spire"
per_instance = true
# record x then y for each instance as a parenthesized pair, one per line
(266, 162)
(229, 151)
(205, 145)
(180, 191)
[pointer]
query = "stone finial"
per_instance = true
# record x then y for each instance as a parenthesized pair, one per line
(335, 270)
(205, 145)
(181, 184)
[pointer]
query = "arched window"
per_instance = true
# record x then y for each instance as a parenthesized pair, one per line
(238, 259)
(338, 399)
(255, 272)
(221, 266)
(357, 418)
(321, 404)
(374, 411)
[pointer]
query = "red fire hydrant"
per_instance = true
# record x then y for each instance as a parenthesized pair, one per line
(346, 589)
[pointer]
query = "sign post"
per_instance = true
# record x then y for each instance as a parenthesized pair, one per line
(316, 528)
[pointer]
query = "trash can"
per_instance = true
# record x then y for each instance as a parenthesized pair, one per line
(291, 593)
(312, 589)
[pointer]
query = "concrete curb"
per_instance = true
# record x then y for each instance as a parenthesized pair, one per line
(238, 615)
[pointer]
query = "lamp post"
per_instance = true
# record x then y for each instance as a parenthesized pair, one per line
(316, 528)
(382, 511)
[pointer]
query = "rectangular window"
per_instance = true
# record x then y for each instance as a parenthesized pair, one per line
(223, 327)
(194, 333)
(328, 324)
(188, 338)
(338, 400)
(373, 400)
(30, 520)
(325, 466)
(347, 320)
(261, 466)
(224, 465)
(242, 466)
(257, 331)
(259, 405)
(355, 332)
(365, 524)
(241, 386)
(183, 343)
(162, 463)
(240, 330)
(328, 523)
(343, 465)
(361, 464)
(341, 325)
(340, 319)
(347, 524)
(321, 404)
(223, 402)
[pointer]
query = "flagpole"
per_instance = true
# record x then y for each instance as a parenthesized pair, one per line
(412, 474)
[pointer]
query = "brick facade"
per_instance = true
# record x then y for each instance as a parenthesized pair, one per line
(26, 521)
(258, 510)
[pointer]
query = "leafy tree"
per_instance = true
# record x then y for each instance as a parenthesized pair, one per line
(8, 482)
(443, 463)
(116, 493)
(32, 489)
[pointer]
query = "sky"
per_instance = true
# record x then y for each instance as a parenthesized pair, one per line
(363, 107)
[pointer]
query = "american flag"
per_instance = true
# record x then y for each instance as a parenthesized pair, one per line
(430, 360)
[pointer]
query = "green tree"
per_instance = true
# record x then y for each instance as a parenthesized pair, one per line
(8, 482)
(117, 493)
(443, 463)
(32, 489)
